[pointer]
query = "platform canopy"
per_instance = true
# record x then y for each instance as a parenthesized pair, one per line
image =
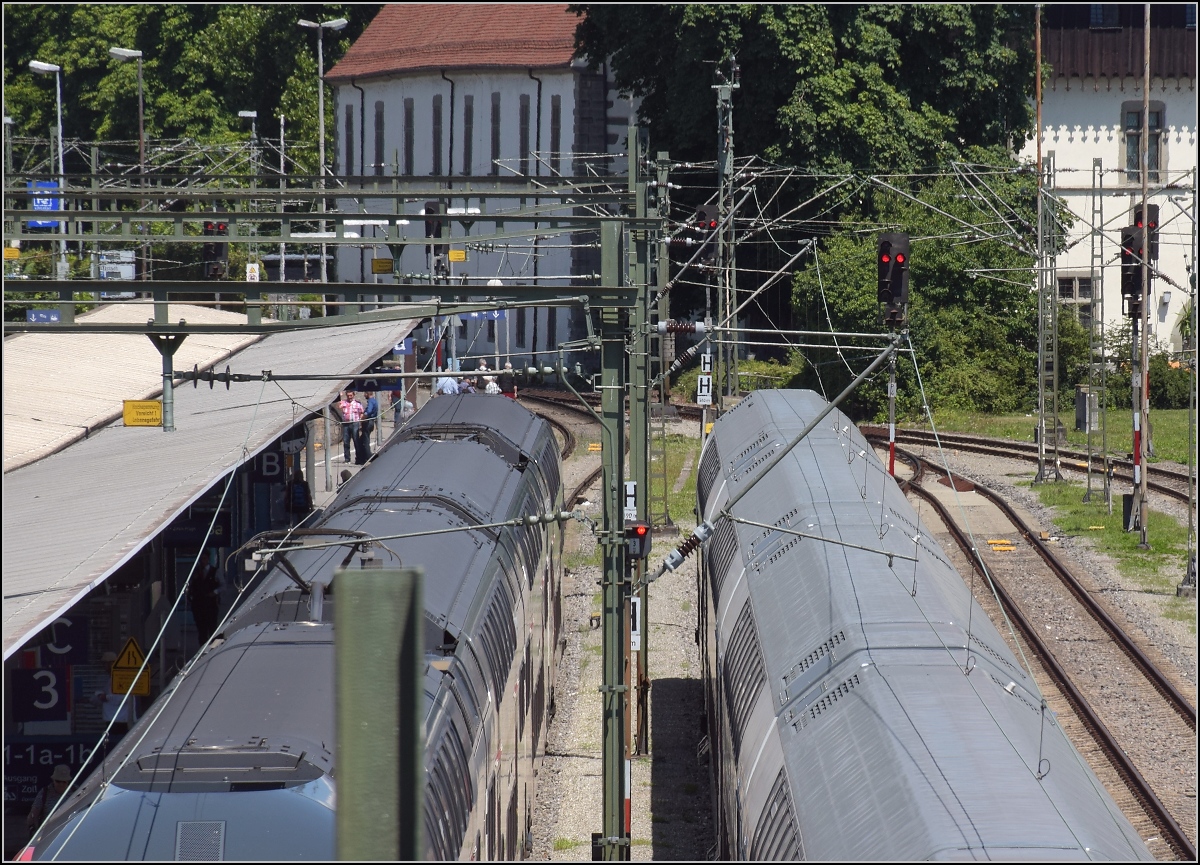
(74, 517)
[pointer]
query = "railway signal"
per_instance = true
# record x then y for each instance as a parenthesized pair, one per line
(637, 539)
(1150, 225)
(892, 262)
(215, 255)
(1132, 244)
(706, 219)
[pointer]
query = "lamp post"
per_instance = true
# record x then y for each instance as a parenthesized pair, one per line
(124, 55)
(335, 24)
(45, 69)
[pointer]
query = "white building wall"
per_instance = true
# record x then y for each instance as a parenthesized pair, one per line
(1082, 122)
(514, 262)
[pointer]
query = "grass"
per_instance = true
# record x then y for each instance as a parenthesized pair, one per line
(1156, 571)
(680, 505)
(562, 844)
(578, 559)
(1169, 427)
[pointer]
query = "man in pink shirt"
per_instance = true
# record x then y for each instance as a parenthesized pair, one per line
(351, 411)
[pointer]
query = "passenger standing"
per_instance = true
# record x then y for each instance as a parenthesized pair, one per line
(402, 409)
(48, 797)
(351, 411)
(490, 385)
(447, 385)
(204, 593)
(508, 382)
(370, 418)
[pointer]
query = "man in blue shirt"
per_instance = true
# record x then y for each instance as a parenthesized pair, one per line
(447, 385)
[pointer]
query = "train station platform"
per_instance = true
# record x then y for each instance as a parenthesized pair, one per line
(77, 513)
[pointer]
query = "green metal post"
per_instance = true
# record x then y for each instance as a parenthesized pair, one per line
(639, 418)
(614, 839)
(378, 620)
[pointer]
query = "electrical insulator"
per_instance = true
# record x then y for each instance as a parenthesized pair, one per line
(681, 327)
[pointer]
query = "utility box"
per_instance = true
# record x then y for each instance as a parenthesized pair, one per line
(1060, 438)
(1087, 409)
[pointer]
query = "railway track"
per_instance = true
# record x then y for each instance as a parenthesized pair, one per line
(1160, 479)
(1172, 714)
(565, 403)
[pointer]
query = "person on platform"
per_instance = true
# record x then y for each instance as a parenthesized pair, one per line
(402, 408)
(508, 381)
(490, 386)
(48, 797)
(447, 385)
(351, 411)
(204, 594)
(367, 427)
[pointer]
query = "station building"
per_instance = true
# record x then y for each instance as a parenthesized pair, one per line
(1092, 105)
(475, 91)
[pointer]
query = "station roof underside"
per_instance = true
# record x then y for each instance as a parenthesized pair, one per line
(74, 517)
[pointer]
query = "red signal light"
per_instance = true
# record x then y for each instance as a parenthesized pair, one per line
(221, 226)
(885, 258)
(899, 258)
(641, 530)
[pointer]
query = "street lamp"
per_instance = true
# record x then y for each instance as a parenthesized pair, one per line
(45, 69)
(335, 24)
(125, 55)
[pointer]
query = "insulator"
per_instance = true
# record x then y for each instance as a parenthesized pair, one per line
(681, 327)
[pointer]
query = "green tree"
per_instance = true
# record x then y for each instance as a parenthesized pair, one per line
(203, 63)
(856, 87)
(972, 312)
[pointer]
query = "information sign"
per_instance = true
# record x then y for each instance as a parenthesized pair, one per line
(704, 390)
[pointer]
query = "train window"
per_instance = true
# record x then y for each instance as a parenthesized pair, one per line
(720, 555)
(775, 836)
(710, 466)
(744, 674)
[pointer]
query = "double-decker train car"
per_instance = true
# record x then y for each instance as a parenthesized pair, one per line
(860, 704)
(236, 760)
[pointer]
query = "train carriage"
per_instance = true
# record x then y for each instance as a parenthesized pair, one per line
(236, 759)
(861, 705)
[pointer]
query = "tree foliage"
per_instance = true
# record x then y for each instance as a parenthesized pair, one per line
(972, 310)
(855, 87)
(203, 63)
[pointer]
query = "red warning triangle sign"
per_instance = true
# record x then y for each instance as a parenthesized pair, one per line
(131, 658)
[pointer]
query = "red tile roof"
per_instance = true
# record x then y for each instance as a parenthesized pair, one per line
(406, 37)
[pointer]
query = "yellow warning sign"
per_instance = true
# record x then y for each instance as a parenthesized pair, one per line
(593, 446)
(143, 412)
(11, 252)
(381, 265)
(125, 678)
(458, 255)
